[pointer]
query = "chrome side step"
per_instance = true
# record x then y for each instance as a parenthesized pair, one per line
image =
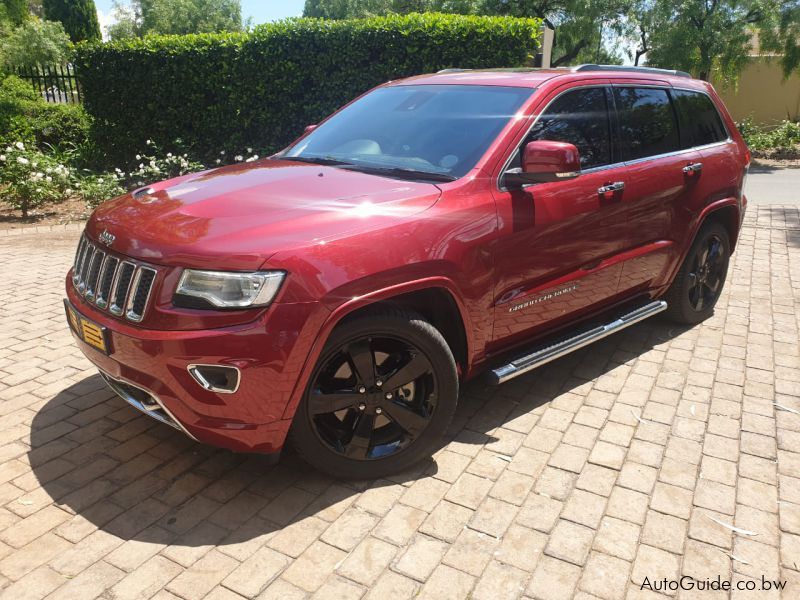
(544, 355)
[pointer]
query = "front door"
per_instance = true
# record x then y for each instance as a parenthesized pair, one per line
(555, 258)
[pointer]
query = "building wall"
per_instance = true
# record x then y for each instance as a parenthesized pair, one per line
(762, 94)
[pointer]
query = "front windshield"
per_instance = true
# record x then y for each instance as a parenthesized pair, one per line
(424, 129)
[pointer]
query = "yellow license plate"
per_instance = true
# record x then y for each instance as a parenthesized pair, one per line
(91, 333)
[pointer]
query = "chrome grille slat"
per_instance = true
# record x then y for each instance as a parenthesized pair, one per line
(123, 285)
(84, 270)
(143, 284)
(118, 286)
(106, 281)
(94, 274)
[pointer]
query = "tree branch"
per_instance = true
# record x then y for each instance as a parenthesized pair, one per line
(573, 52)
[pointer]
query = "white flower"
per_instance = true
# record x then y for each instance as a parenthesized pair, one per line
(249, 150)
(22, 160)
(218, 161)
(20, 146)
(222, 153)
(238, 158)
(68, 191)
(169, 154)
(2, 158)
(99, 180)
(48, 179)
(138, 157)
(149, 142)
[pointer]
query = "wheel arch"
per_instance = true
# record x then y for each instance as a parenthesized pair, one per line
(726, 213)
(436, 299)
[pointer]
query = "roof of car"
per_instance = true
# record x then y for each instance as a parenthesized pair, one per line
(533, 77)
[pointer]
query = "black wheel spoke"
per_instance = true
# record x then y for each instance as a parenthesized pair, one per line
(715, 253)
(415, 368)
(412, 422)
(359, 444)
(320, 403)
(362, 361)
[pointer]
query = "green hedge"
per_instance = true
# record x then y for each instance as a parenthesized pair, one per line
(231, 91)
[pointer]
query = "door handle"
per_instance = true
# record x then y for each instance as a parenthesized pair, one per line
(607, 191)
(692, 168)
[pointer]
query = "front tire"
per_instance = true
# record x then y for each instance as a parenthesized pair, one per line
(697, 287)
(381, 396)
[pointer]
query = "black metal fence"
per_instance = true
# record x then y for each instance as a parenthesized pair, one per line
(56, 84)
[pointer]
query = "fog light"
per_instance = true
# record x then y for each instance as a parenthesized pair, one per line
(216, 378)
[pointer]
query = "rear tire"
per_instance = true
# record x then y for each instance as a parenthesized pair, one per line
(359, 418)
(697, 287)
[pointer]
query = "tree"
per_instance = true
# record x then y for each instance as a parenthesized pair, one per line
(35, 43)
(708, 37)
(16, 11)
(79, 18)
(176, 17)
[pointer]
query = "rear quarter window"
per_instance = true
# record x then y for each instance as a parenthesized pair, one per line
(647, 122)
(699, 119)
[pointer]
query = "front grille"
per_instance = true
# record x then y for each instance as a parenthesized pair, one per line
(120, 287)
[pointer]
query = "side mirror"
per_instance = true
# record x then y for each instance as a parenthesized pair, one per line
(545, 161)
(309, 129)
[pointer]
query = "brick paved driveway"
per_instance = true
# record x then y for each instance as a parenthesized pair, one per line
(617, 463)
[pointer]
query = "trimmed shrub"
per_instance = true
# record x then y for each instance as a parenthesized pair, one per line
(229, 91)
(25, 116)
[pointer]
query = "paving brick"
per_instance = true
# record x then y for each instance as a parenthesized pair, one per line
(421, 557)
(570, 542)
(605, 576)
(257, 572)
(369, 559)
(553, 579)
(471, 551)
(313, 567)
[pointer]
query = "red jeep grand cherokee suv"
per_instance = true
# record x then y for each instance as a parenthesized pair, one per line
(340, 291)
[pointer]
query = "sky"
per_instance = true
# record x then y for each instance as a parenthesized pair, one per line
(261, 11)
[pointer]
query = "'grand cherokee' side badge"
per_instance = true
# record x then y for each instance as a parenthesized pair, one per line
(544, 298)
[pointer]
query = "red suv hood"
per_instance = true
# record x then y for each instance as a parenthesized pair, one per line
(236, 217)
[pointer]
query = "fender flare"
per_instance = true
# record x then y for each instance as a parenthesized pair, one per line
(697, 223)
(358, 302)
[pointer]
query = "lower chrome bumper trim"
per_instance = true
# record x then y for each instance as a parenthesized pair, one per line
(157, 410)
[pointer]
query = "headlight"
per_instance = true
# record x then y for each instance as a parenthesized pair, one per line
(223, 289)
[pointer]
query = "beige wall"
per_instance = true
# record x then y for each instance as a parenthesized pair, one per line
(763, 94)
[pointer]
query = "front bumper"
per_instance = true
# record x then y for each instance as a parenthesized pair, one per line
(269, 357)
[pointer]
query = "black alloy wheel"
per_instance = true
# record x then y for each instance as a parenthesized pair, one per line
(706, 275)
(699, 282)
(380, 398)
(373, 398)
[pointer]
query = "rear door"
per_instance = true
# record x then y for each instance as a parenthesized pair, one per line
(659, 180)
(554, 258)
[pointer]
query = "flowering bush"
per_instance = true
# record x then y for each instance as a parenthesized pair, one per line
(785, 137)
(96, 189)
(156, 166)
(30, 179)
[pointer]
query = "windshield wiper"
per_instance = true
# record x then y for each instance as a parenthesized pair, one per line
(406, 173)
(318, 160)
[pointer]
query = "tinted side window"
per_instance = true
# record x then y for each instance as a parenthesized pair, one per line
(646, 121)
(579, 117)
(700, 121)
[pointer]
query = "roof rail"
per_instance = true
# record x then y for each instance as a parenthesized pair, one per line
(453, 70)
(653, 70)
